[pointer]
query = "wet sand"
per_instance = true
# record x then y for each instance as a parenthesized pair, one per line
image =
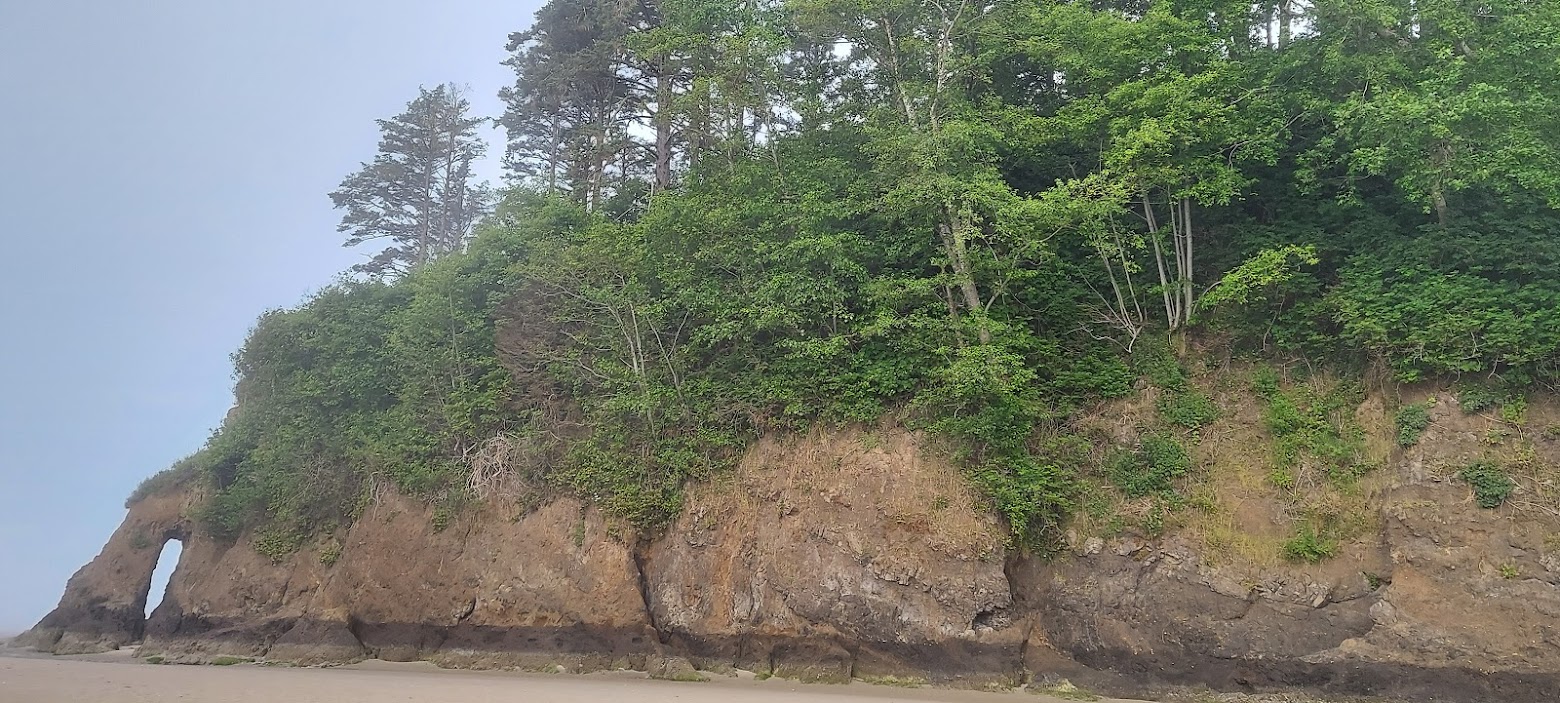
(104, 680)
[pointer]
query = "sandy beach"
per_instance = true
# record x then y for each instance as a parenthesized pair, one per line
(104, 680)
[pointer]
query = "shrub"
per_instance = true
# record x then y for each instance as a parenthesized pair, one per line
(1314, 425)
(1266, 382)
(443, 515)
(1491, 485)
(159, 483)
(1514, 412)
(278, 541)
(1189, 408)
(1309, 546)
(1474, 398)
(1153, 468)
(1153, 358)
(1411, 422)
(1452, 303)
(331, 553)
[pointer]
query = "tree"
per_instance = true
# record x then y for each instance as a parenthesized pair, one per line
(574, 98)
(1444, 97)
(418, 191)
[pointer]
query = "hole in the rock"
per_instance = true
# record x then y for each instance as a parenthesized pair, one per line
(990, 618)
(166, 562)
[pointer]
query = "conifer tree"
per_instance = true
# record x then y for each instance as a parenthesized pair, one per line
(418, 192)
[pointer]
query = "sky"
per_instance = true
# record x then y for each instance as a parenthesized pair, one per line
(164, 176)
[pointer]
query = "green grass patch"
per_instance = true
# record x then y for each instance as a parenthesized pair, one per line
(895, 681)
(1314, 427)
(1309, 546)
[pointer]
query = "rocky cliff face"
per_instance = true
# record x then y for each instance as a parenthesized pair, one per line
(858, 554)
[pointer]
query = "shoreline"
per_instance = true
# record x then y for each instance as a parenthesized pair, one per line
(120, 677)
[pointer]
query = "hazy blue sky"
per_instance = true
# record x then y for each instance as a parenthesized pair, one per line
(164, 170)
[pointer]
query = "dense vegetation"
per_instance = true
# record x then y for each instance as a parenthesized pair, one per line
(735, 217)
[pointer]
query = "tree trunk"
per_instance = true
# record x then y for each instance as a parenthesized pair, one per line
(1167, 289)
(663, 128)
(1286, 17)
(952, 231)
(1185, 267)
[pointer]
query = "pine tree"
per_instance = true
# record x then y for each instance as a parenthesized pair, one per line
(418, 192)
(569, 112)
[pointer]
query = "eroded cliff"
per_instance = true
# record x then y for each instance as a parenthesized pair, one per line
(861, 553)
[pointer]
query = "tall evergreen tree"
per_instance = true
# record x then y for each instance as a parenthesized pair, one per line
(418, 192)
(574, 98)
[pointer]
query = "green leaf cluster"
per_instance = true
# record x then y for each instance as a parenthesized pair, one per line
(1491, 486)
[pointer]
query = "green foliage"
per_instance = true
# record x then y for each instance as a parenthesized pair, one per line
(1411, 421)
(978, 225)
(1514, 412)
(394, 381)
(278, 541)
(228, 661)
(445, 510)
(1313, 427)
(1457, 302)
(1491, 486)
(1474, 398)
(331, 553)
(1309, 546)
(1153, 359)
(1152, 468)
(1265, 381)
(1267, 273)
(177, 476)
(1190, 409)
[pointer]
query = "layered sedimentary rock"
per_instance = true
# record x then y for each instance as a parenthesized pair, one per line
(857, 553)
(832, 556)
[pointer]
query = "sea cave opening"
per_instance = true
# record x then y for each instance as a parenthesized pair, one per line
(167, 561)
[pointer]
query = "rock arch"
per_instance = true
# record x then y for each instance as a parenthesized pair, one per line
(104, 606)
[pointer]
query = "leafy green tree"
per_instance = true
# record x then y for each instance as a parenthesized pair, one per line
(1443, 97)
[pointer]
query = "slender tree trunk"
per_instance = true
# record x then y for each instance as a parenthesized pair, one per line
(555, 155)
(663, 128)
(1167, 289)
(1187, 290)
(952, 231)
(1286, 17)
(1440, 158)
